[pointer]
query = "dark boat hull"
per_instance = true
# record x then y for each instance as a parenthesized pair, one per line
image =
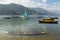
(27, 33)
(40, 17)
(7, 18)
(54, 18)
(15, 17)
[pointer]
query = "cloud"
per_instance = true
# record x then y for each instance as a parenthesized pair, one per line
(5, 2)
(44, 0)
(55, 6)
(27, 3)
(32, 4)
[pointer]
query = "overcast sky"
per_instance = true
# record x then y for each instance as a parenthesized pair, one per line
(46, 4)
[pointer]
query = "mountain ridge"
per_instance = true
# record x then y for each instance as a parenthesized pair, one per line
(15, 9)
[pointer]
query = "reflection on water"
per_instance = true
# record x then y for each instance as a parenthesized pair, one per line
(28, 25)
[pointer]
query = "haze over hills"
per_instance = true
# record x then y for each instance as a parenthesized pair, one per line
(15, 9)
(56, 12)
(42, 11)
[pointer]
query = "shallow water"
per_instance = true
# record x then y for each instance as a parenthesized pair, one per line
(28, 25)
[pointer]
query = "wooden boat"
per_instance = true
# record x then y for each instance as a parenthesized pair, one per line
(27, 33)
(48, 21)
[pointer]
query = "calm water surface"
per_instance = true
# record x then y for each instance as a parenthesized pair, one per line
(28, 25)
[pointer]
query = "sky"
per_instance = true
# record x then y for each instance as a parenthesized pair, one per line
(45, 4)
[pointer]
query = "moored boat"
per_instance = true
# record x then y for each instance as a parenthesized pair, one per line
(48, 21)
(7, 17)
(54, 17)
(15, 17)
(27, 33)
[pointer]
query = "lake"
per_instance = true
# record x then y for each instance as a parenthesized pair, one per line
(28, 25)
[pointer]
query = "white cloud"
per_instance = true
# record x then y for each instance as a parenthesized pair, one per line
(27, 3)
(5, 2)
(44, 0)
(55, 6)
(44, 3)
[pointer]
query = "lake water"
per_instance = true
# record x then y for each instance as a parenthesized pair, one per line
(28, 25)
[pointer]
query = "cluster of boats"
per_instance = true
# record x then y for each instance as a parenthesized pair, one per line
(11, 17)
(24, 16)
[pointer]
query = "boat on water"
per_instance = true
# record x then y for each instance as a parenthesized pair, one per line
(50, 20)
(54, 17)
(15, 17)
(7, 17)
(27, 33)
(40, 17)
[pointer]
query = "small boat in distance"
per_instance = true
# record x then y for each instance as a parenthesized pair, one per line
(54, 17)
(15, 17)
(40, 17)
(7, 17)
(48, 21)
